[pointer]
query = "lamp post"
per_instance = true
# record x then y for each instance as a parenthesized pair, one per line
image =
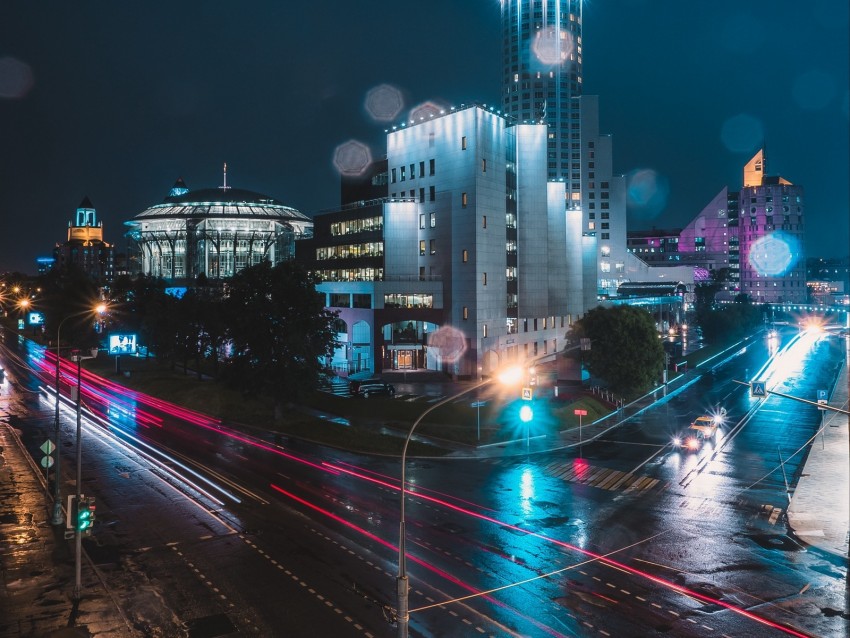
(511, 376)
(401, 581)
(78, 533)
(57, 518)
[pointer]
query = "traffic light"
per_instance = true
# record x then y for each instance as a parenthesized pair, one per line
(85, 515)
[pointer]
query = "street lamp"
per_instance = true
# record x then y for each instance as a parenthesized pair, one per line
(57, 518)
(507, 377)
(401, 581)
(78, 533)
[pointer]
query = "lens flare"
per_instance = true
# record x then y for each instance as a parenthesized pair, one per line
(383, 103)
(552, 45)
(425, 111)
(16, 78)
(449, 341)
(352, 158)
(646, 192)
(742, 133)
(813, 90)
(774, 255)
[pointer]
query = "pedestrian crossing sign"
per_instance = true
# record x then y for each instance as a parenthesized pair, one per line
(757, 389)
(526, 394)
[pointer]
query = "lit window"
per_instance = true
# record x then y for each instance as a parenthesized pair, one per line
(402, 173)
(422, 220)
(433, 220)
(465, 256)
(463, 200)
(484, 328)
(466, 312)
(421, 246)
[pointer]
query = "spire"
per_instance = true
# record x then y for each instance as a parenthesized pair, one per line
(225, 186)
(754, 170)
(86, 203)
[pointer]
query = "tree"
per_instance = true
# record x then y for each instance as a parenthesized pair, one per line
(732, 321)
(625, 349)
(279, 330)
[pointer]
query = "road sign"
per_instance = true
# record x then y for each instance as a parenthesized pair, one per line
(757, 389)
(822, 399)
(580, 412)
(526, 394)
(46, 462)
(47, 447)
(477, 404)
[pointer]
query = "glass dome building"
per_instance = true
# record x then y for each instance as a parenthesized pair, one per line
(215, 231)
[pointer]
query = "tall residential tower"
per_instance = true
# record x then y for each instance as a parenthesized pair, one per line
(542, 84)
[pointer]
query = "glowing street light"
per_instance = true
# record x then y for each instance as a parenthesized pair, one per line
(510, 376)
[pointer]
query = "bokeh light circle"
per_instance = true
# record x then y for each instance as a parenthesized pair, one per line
(384, 102)
(352, 158)
(552, 45)
(646, 193)
(742, 133)
(449, 341)
(774, 255)
(16, 78)
(425, 111)
(813, 90)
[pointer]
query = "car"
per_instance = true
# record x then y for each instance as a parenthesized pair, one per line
(373, 387)
(702, 429)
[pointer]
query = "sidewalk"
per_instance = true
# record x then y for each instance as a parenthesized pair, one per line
(819, 512)
(37, 563)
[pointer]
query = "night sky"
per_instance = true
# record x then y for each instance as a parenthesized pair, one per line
(116, 100)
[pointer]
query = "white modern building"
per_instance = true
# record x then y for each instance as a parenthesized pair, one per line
(475, 261)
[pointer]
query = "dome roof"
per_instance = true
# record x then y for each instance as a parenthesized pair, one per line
(219, 202)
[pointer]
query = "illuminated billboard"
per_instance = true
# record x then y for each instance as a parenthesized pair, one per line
(122, 344)
(36, 319)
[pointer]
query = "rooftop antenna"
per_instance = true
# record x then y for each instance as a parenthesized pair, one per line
(225, 186)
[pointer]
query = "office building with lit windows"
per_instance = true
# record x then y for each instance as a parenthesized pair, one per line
(465, 232)
(542, 83)
(770, 236)
(755, 234)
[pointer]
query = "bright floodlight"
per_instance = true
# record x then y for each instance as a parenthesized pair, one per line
(511, 376)
(526, 413)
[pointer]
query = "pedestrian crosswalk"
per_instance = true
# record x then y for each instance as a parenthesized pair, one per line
(604, 478)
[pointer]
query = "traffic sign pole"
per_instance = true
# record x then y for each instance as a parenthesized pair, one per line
(580, 413)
